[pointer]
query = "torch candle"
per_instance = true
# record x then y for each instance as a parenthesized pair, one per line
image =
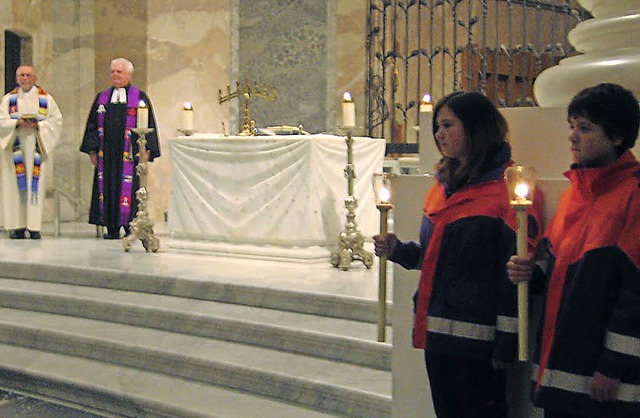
(520, 183)
(187, 117)
(523, 287)
(425, 104)
(142, 115)
(348, 110)
(382, 275)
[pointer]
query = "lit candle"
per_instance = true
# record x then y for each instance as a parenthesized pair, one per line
(384, 196)
(348, 110)
(425, 103)
(187, 117)
(521, 191)
(143, 115)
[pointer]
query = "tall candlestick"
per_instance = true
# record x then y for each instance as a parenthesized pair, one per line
(143, 115)
(523, 287)
(520, 183)
(425, 104)
(348, 110)
(187, 117)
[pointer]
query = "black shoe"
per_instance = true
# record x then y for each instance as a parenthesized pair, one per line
(127, 230)
(17, 233)
(35, 235)
(112, 233)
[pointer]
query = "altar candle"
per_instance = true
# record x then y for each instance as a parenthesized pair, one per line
(187, 116)
(348, 110)
(143, 115)
(425, 103)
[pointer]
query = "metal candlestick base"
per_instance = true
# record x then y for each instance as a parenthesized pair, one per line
(350, 245)
(142, 225)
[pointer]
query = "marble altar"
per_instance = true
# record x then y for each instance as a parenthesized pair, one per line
(268, 197)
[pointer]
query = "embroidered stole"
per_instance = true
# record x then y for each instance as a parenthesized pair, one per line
(126, 190)
(18, 155)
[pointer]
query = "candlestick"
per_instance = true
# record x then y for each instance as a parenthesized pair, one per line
(523, 287)
(348, 110)
(187, 117)
(521, 185)
(143, 115)
(425, 104)
(382, 190)
(142, 224)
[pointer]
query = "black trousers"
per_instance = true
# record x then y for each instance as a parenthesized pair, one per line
(466, 388)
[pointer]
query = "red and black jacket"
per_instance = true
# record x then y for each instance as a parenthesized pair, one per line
(592, 311)
(465, 305)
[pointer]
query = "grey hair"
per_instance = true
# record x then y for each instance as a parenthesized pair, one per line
(25, 65)
(128, 65)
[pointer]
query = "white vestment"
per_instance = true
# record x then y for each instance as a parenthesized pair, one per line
(19, 209)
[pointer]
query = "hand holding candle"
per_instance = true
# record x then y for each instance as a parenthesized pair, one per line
(521, 184)
(382, 190)
(143, 115)
(348, 111)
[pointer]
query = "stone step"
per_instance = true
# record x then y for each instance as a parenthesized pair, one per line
(173, 335)
(343, 340)
(234, 288)
(306, 381)
(111, 390)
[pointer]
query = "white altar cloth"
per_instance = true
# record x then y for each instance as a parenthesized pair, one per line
(268, 196)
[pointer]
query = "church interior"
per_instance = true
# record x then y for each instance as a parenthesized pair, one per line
(248, 305)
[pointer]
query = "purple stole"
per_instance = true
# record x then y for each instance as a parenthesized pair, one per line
(18, 156)
(126, 193)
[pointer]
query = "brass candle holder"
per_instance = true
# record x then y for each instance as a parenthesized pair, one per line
(142, 225)
(247, 91)
(521, 185)
(351, 240)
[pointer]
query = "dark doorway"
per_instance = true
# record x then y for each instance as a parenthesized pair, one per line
(17, 50)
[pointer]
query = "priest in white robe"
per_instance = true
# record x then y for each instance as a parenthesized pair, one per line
(30, 126)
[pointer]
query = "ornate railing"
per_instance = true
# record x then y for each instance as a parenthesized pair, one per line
(496, 47)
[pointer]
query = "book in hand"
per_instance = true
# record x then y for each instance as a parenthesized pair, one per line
(29, 117)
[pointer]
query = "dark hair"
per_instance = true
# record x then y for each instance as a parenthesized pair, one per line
(611, 106)
(485, 128)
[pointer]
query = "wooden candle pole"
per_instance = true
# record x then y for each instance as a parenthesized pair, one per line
(523, 287)
(382, 275)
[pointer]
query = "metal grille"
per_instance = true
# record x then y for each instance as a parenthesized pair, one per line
(496, 47)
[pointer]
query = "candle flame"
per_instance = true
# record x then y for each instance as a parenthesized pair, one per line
(141, 103)
(188, 106)
(346, 97)
(521, 190)
(385, 195)
(426, 98)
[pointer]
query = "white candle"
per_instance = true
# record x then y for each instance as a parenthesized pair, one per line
(425, 103)
(187, 117)
(348, 110)
(143, 115)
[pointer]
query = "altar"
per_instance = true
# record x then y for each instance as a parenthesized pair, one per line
(269, 197)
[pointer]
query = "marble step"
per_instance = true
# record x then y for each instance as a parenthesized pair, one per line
(320, 384)
(337, 339)
(221, 286)
(111, 390)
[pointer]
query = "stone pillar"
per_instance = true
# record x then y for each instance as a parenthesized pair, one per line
(610, 43)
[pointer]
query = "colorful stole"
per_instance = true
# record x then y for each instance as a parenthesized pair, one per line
(18, 155)
(126, 194)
